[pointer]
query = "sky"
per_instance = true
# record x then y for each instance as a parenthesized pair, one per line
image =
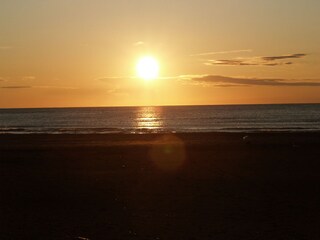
(81, 53)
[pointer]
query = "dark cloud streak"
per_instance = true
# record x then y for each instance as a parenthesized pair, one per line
(273, 58)
(271, 61)
(16, 87)
(223, 81)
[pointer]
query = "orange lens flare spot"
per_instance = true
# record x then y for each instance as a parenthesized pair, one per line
(168, 153)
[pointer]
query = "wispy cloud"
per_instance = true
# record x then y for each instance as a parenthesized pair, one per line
(125, 79)
(270, 61)
(245, 62)
(5, 47)
(220, 52)
(41, 87)
(28, 78)
(116, 85)
(139, 43)
(223, 81)
(121, 85)
(273, 58)
(109, 79)
(15, 87)
(56, 87)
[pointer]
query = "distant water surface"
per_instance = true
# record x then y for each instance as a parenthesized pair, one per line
(229, 118)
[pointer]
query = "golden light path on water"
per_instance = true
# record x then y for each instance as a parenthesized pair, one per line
(149, 118)
(167, 151)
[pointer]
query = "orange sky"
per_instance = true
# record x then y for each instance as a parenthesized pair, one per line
(62, 53)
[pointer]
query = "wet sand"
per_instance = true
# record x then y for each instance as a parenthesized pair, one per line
(185, 186)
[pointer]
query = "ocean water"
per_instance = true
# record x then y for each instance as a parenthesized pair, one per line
(138, 120)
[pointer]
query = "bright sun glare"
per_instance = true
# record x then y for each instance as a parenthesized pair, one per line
(148, 68)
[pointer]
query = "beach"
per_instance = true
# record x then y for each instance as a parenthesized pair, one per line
(160, 186)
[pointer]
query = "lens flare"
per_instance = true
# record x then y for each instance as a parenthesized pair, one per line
(168, 153)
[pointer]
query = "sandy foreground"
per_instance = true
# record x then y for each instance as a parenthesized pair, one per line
(184, 186)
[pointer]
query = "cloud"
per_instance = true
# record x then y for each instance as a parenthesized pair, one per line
(270, 61)
(16, 87)
(122, 86)
(42, 87)
(114, 84)
(273, 58)
(111, 79)
(5, 47)
(55, 87)
(139, 43)
(221, 52)
(28, 78)
(223, 81)
(246, 62)
(233, 62)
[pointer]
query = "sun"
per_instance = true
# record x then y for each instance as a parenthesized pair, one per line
(148, 68)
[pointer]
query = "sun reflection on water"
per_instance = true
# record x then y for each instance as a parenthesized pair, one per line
(149, 119)
(167, 151)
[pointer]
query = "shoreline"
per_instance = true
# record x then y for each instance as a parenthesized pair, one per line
(189, 138)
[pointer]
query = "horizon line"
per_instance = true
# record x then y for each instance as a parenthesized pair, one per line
(173, 105)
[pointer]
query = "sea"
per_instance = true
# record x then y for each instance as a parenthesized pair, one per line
(162, 119)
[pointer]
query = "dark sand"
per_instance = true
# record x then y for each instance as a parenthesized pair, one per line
(189, 186)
